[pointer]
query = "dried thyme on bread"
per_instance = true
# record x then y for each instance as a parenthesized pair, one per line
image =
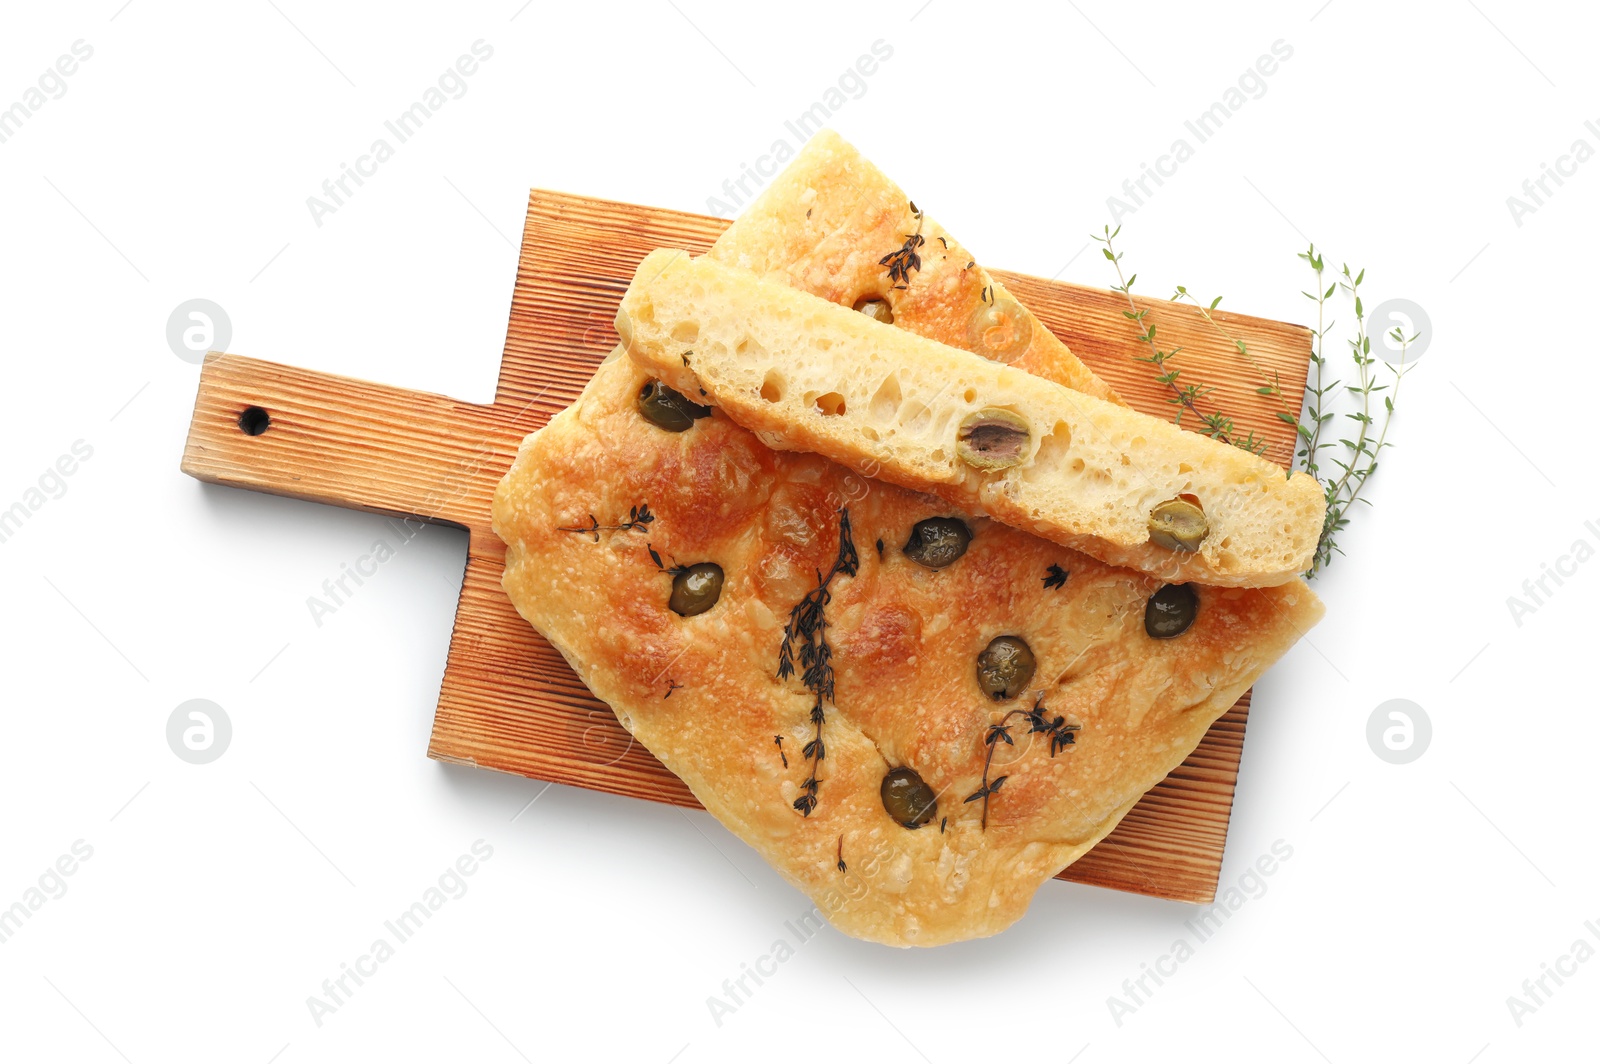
(808, 628)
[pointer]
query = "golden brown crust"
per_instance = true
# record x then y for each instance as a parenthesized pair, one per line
(905, 640)
(824, 225)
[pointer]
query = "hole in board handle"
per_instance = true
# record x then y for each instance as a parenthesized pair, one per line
(254, 421)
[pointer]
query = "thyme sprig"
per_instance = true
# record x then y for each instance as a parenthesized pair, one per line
(808, 628)
(1186, 396)
(1062, 735)
(1358, 458)
(904, 260)
(1271, 387)
(639, 518)
(995, 732)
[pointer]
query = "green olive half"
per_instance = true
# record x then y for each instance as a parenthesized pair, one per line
(696, 589)
(999, 330)
(1005, 667)
(907, 799)
(938, 541)
(876, 309)
(664, 407)
(1178, 524)
(992, 439)
(1170, 611)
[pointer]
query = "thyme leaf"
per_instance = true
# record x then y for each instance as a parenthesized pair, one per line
(904, 260)
(655, 556)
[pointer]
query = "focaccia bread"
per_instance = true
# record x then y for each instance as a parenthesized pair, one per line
(613, 515)
(1125, 487)
(833, 225)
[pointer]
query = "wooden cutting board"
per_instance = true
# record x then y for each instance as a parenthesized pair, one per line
(508, 700)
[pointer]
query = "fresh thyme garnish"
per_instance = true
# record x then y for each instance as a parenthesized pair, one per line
(1361, 453)
(672, 685)
(1271, 387)
(1061, 736)
(808, 626)
(1359, 456)
(842, 866)
(639, 518)
(904, 260)
(1185, 397)
(1057, 577)
(779, 740)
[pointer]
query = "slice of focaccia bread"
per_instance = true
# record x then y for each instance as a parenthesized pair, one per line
(678, 563)
(833, 225)
(1127, 488)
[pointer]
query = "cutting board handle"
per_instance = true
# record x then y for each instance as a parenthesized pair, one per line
(331, 439)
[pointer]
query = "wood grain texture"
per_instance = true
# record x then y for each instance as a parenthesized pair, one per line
(508, 700)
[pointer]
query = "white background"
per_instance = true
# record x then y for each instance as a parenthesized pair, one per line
(220, 897)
